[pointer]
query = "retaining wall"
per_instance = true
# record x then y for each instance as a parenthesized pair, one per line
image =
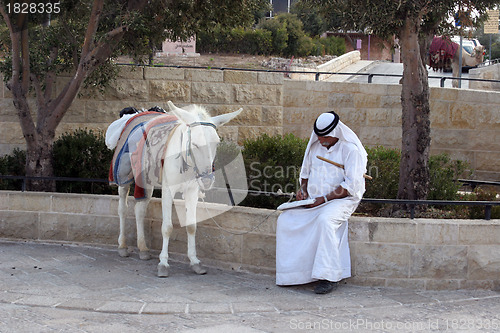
(464, 123)
(418, 254)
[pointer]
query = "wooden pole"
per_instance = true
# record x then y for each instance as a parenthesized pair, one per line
(340, 166)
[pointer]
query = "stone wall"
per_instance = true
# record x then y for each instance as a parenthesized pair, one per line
(465, 123)
(486, 73)
(417, 254)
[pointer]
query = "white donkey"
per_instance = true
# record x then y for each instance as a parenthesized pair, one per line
(179, 151)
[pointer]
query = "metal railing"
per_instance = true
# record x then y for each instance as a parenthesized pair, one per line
(316, 74)
(488, 205)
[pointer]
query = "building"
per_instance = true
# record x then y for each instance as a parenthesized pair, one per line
(281, 6)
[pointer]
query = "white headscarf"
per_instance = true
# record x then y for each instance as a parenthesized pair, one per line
(340, 131)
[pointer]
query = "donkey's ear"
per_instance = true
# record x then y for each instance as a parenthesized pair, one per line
(183, 115)
(224, 118)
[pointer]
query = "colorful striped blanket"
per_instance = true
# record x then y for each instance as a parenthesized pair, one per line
(441, 53)
(140, 151)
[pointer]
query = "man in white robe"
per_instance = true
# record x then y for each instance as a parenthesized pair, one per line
(311, 241)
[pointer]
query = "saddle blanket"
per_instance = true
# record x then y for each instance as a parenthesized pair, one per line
(441, 52)
(140, 151)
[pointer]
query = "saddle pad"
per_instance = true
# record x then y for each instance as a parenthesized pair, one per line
(139, 153)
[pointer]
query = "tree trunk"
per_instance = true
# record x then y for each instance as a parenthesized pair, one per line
(39, 164)
(414, 170)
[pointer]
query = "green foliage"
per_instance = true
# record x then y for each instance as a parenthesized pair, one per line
(272, 163)
(477, 212)
(443, 174)
(12, 165)
(282, 35)
(383, 166)
(82, 154)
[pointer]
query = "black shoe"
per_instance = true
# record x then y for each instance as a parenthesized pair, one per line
(325, 286)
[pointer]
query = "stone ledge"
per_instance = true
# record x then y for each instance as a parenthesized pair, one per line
(416, 254)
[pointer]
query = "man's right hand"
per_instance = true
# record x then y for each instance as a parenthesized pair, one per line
(301, 195)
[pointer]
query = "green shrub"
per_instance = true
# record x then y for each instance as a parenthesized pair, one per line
(12, 165)
(383, 166)
(443, 175)
(82, 154)
(272, 164)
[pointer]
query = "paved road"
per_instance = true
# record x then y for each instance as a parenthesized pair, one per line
(380, 67)
(75, 288)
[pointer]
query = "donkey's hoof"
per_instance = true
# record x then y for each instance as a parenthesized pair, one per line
(123, 252)
(199, 269)
(144, 255)
(162, 270)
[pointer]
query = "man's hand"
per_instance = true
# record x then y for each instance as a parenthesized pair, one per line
(317, 201)
(302, 195)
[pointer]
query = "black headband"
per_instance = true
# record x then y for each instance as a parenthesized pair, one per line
(329, 128)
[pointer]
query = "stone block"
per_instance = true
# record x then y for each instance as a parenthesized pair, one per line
(251, 116)
(7, 111)
(436, 233)
(270, 78)
(488, 161)
(488, 119)
(392, 231)
(262, 94)
(479, 233)
(350, 116)
(240, 77)
(366, 101)
(18, 224)
(381, 260)
(438, 262)
(379, 117)
(204, 75)
(390, 102)
(452, 139)
(358, 230)
(214, 92)
(107, 111)
(445, 94)
(338, 100)
(484, 262)
(259, 250)
(11, 133)
(272, 115)
(463, 115)
(131, 72)
(212, 243)
(33, 202)
(440, 114)
(385, 136)
(108, 230)
(178, 91)
(53, 226)
(164, 73)
(134, 90)
(252, 132)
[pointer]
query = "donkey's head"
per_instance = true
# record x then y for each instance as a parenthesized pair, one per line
(200, 139)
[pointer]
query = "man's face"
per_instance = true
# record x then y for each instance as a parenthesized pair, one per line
(327, 141)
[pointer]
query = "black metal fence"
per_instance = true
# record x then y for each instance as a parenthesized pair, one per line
(316, 74)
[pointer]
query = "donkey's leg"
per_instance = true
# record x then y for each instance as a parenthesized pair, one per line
(166, 229)
(140, 213)
(122, 213)
(191, 200)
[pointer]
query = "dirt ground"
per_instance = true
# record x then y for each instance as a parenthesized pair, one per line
(215, 60)
(245, 61)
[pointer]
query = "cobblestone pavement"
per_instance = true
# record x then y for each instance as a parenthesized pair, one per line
(75, 288)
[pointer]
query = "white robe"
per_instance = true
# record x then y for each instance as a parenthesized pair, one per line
(312, 243)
